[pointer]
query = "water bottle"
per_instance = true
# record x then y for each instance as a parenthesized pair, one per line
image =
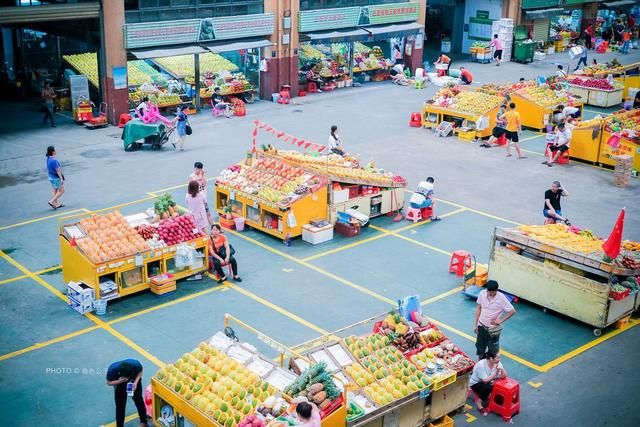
(287, 240)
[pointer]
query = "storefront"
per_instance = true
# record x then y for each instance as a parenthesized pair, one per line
(358, 44)
(558, 21)
(222, 52)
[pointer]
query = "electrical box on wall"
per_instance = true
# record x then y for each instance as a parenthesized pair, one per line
(286, 22)
(285, 39)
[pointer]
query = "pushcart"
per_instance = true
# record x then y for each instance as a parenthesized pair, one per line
(99, 121)
(154, 134)
(471, 290)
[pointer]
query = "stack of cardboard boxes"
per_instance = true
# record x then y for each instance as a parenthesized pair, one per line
(622, 170)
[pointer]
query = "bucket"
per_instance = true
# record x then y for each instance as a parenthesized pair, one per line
(239, 223)
(100, 307)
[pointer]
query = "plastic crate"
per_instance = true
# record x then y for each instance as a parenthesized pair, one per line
(446, 377)
(357, 412)
(335, 404)
(467, 136)
(617, 296)
(445, 421)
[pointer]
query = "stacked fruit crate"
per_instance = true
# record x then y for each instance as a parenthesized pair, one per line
(504, 29)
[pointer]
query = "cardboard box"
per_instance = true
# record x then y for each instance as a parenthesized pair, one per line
(340, 196)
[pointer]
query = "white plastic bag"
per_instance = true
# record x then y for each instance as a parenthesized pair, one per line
(184, 256)
(482, 123)
(291, 219)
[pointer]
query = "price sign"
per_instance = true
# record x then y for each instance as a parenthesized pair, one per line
(424, 393)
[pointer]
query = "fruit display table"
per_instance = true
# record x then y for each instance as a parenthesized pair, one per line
(127, 251)
(627, 75)
(536, 105)
(391, 374)
(596, 91)
(468, 106)
(628, 124)
(569, 271)
(585, 140)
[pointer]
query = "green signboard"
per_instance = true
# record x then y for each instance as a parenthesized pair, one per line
(346, 17)
(536, 4)
(197, 30)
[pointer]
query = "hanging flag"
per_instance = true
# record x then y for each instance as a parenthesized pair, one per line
(612, 246)
(300, 142)
(280, 135)
(307, 145)
(286, 138)
(294, 140)
(321, 149)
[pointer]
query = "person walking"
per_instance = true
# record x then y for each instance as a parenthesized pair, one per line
(181, 122)
(48, 95)
(198, 175)
(125, 377)
(552, 208)
(197, 206)
(497, 45)
(335, 142)
(492, 311)
(582, 59)
(513, 129)
(626, 41)
(56, 178)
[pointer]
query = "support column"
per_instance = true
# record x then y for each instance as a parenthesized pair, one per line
(114, 55)
(414, 60)
(196, 68)
(282, 59)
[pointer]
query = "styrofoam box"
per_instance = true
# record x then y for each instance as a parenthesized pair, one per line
(340, 196)
(316, 235)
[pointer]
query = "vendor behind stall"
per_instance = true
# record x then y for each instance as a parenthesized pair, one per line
(218, 102)
(142, 108)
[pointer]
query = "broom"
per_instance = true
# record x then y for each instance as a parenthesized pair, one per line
(394, 202)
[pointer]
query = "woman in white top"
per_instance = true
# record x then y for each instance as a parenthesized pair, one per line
(335, 143)
(484, 374)
(197, 206)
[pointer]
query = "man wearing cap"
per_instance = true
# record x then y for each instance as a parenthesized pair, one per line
(492, 311)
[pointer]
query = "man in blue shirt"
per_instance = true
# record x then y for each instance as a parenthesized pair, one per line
(119, 375)
(56, 178)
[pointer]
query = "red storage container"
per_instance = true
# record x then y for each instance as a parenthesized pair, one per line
(347, 230)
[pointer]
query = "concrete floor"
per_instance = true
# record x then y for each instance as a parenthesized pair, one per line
(61, 356)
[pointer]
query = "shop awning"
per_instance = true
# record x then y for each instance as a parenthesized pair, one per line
(543, 13)
(354, 34)
(231, 45)
(384, 32)
(161, 52)
(619, 3)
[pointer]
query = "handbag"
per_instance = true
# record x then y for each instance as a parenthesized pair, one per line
(188, 129)
(222, 251)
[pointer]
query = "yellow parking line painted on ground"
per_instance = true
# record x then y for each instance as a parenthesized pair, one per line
(488, 215)
(470, 418)
(126, 420)
(442, 295)
(534, 385)
(428, 221)
(24, 276)
(345, 247)
(89, 316)
(529, 138)
(502, 351)
(314, 268)
(279, 309)
(400, 236)
(166, 304)
(42, 218)
(43, 344)
(589, 345)
(152, 194)
(597, 112)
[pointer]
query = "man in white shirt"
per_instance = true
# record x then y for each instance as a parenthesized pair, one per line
(487, 319)
(423, 198)
(561, 73)
(560, 145)
(569, 112)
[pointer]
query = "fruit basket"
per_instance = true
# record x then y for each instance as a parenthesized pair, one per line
(619, 293)
(354, 411)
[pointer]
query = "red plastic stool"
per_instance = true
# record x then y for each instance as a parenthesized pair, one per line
(502, 140)
(124, 118)
(505, 398)
(563, 158)
(426, 213)
(302, 93)
(416, 120)
(223, 265)
(460, 262)
(548, 221)
(312, 87)
(413, 214)
(284, 97)
(148, 401)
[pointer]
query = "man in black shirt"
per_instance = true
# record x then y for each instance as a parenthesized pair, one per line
(118, 375)
(552, 207)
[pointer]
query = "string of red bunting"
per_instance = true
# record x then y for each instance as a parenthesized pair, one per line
(285, 137)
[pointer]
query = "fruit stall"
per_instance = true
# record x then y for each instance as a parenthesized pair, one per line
(627, 75)
(596, 91)
(571, 273)
(280, 191)
(119, 255)
(402, 371)
(465, 107)
(536, 104)
(586, 137)
(625, 128)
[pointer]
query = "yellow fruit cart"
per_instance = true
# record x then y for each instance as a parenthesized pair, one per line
(630, 147)
(568, 277)
(536, 111)
(628, 75)
(131, 273)
(585, 141)
(433, 115)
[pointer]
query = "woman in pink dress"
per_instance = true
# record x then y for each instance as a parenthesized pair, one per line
(196, 204)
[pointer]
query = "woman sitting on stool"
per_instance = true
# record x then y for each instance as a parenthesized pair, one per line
(221, 253)
(484, 374)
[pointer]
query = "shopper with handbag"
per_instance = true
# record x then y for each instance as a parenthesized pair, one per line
(184, 128)
(221, 254)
